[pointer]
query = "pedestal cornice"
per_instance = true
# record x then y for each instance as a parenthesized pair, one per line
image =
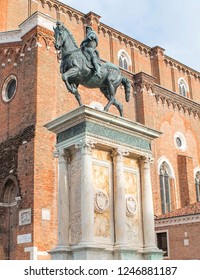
(100, 125)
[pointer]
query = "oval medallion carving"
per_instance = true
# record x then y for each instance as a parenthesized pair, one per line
(131, 205)
(101, 201)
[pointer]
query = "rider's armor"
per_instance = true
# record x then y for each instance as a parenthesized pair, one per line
(89, 45)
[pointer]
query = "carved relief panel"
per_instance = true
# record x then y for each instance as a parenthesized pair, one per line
(74, 169)
(102, 195)
(132, 191)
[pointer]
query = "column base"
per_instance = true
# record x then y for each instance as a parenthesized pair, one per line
(61, 253)
(153, 253)
(90, 251)
(123, 252)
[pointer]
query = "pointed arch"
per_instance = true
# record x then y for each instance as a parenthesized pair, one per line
(9, 197)
(69, 14)
(183, 87)
(49, 5)
(140, 49)
(10, 190)
(167, 185)
(197, 182)
(103, 31)
(124, 59)
(76, 18)
(120, 39)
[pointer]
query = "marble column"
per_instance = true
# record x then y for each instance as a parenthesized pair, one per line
(62, 249)
(147, 204)
(119, 197)
(87, 192)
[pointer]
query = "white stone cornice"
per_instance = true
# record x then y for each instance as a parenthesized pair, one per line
(178, 220)
(58, 124)
(37, 19)
(10, 36)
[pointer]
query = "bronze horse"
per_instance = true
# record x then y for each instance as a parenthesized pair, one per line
(76, 69)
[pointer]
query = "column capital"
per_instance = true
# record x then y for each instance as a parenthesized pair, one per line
(62, 154)
(146, 160)
(119, 153)
(56, 153)
(67, 156)
(86, 146)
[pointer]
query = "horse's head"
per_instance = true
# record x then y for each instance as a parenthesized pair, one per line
(59, 34)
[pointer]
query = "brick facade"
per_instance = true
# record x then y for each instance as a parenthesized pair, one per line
(26, 147)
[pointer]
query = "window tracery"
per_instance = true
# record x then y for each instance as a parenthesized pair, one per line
(183, 87)
(165, 187)
(124, 60)
(197, 185)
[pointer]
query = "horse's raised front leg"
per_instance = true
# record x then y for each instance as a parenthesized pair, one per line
(72, 87)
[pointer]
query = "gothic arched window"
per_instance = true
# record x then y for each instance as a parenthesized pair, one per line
(197, 185)
(124, 59)
(165, 188)
(183, 88)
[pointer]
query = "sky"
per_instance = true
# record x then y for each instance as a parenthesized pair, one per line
(171, 24)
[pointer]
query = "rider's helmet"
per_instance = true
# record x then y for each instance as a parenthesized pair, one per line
(88, 28)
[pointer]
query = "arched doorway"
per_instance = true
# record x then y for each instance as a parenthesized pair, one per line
(8, 217)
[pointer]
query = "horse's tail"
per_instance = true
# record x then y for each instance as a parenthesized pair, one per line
(127, 86)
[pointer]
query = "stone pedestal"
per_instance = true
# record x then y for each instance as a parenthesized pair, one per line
(105, 206)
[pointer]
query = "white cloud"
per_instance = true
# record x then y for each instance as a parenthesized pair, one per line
(172, 24)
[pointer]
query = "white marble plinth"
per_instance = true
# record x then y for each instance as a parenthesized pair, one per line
(61, 253)
(89, 231)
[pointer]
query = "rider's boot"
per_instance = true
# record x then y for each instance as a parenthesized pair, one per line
(97, 68)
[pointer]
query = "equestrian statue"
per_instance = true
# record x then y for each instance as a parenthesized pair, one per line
(83, 66)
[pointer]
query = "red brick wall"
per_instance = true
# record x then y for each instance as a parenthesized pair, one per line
(169, 122)
(186, 180)
(17, 131)
(13, 12)
(3, 15)
(177, 234)
(17, 158)
(18, 114)
(149, 60)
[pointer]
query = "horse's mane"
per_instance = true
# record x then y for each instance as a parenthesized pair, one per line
(70, 34)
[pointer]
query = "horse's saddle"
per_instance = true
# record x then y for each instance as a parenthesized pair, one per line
(89, 58)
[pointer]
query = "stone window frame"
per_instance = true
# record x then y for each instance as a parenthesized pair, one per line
(183, 87)
(197, 182)
(165, 188)
(124, 59)
(5, 88)
(182, 139)
(167, 255)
